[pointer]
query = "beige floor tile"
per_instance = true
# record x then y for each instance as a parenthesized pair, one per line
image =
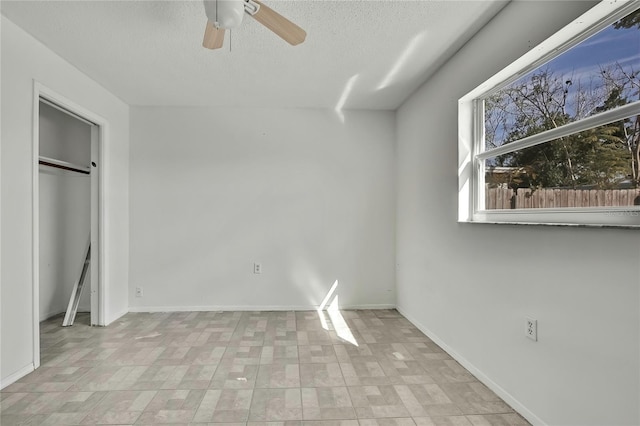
(326, 403)
(447, 371)
(250, 369)
(278, 376)
(78, 402)
(182, 399)
(330, 423)
(112, 417)
(281, 337)
(249, 355)
(205, 355)
(474, 398)
(405, 372)
(10, 398)
(279, 354)
(364, 373)
(313, 375)
(57, 419)
(22, 419)
(119, 407)
(511, 419)
(352, 353)
(276, 405)
(35, 403)
(165, 417)
(451, 421)
(426, 400)
(423, 421)
(41, 387)
(323, 354)
(224, 405)
(218, 424)
(372, 402)
(234, 375)
(285, 423)
(54, 375)
(388, 422)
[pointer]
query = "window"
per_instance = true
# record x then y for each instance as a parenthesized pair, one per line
(555, 137)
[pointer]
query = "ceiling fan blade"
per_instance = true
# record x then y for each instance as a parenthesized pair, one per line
(213, 37)
(284, 28)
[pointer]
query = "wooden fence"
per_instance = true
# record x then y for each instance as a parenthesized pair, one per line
(525, 198)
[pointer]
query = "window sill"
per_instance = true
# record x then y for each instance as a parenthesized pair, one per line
(594, 218)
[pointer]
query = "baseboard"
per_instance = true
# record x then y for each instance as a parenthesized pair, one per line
(506, 396)
(216, 308)
(374, 307)
(248, 308)
(6, 381)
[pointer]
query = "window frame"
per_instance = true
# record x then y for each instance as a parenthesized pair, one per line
(471, 140)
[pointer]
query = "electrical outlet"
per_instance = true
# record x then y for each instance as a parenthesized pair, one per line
(257, 268)
(138, 291)
(531, 329)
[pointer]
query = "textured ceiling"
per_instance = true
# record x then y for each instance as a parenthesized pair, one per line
(358, 54)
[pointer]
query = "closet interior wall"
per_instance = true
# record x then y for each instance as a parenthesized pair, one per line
(65, 210)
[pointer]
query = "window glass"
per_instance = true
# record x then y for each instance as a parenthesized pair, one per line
(554, 137)
(598, 74)
(593, 168)
(602, 157)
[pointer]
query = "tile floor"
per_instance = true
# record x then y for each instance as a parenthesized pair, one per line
(354, 368)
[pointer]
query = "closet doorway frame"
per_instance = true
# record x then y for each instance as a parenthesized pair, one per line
(99, 127)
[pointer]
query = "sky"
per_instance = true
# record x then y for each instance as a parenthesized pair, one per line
(586, 60)
(602, 49)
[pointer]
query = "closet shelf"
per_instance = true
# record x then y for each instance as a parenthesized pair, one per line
(59, 164)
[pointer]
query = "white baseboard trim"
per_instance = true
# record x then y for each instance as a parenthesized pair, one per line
(6, 381)
(247, 308)
(379, 306)
(216, 308)
(506, 396)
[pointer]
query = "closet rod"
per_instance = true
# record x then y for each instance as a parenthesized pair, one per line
(52, 162)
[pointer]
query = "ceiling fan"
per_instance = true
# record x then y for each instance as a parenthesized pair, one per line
(226, 14)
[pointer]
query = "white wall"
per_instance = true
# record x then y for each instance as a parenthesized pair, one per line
(65, 223)
(65, 211)
(23, 60)
(215, 190)
(470, 286)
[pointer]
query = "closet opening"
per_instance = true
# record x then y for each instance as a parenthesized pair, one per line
(67, 216)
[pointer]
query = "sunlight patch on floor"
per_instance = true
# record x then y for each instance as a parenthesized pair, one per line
(335, 316)
(339, 323)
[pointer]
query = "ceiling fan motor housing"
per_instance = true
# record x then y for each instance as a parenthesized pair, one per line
(225, 13)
